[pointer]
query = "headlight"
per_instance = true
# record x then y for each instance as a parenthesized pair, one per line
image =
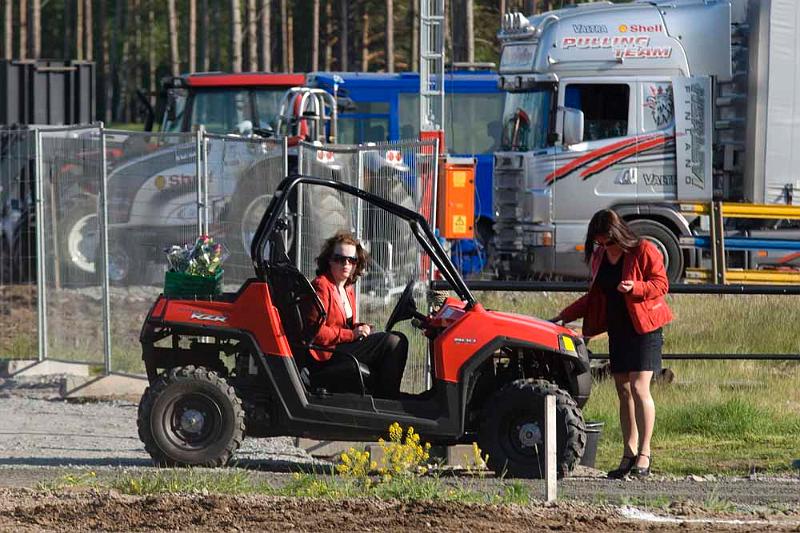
(567, 344)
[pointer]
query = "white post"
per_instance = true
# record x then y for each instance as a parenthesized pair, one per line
(41, 296)
(103, 261)
(551, 489)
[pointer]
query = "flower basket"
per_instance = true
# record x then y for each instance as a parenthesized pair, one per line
(191, 286)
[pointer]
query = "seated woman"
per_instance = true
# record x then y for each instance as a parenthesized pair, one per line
(339, 265)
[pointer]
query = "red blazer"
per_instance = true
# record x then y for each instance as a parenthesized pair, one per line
(646, 304)
(334, 330)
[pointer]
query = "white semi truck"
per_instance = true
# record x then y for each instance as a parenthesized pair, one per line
(639, 107)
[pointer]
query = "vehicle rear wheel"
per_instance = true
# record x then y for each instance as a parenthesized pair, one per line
(665, 241)
(512, 431)
(191, 417)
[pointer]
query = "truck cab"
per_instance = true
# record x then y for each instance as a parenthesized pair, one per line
(590, 122)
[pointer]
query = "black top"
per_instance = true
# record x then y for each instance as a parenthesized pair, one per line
(617, 317)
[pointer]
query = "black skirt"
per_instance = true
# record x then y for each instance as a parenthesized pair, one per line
(635, 353)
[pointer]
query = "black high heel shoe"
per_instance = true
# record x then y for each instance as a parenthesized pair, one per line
(642, 471)
(625, 466)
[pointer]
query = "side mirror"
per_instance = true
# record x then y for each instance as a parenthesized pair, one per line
(171, 104)
(572, 126)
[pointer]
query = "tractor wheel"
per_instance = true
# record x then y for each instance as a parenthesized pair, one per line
(191, 417)
(79, 241)
(241, 220)
(666, 242)
(325, 212)
(512, 431)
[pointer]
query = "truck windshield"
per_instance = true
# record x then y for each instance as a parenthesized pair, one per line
(526, 119)
(221, 110)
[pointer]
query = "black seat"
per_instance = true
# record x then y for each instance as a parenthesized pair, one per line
(302, 314)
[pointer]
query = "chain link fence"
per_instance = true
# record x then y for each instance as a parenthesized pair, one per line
(112, 201)
(18, 291)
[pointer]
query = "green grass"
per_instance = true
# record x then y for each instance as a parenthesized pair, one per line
(308, 485)
(718, 417)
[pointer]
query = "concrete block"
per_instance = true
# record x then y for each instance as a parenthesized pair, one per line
(112, 386)
(28, 368)
(328, 448)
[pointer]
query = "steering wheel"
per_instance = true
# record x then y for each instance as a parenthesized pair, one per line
(406, 308)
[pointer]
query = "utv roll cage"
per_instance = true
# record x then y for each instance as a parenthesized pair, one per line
(419, 227)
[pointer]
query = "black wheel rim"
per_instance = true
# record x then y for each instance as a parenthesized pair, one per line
(523, 438)
(192, 421)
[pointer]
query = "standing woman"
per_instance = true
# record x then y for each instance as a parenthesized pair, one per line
(626, 298)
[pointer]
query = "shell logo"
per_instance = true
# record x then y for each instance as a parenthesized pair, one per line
(623, 28)
(161, 181)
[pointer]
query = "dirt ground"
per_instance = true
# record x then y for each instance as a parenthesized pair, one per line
(43, 438)
(84, 510)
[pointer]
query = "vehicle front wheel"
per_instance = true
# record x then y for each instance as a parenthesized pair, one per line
(512, 431)
(191, 417)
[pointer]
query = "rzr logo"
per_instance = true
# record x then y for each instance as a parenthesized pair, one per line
(209, 318)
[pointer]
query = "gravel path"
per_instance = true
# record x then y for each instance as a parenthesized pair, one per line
(43, 437)
(37, 428)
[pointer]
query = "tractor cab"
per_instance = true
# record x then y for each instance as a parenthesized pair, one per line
(224, 103)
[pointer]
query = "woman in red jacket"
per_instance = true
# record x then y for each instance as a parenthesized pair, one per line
(339, 265)
(626, 298)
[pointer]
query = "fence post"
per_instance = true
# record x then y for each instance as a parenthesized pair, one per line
(204, 153)
(41, 271)
(718, 265)
(104, 259)
(551, 488)
(298, 233)
(198, 172)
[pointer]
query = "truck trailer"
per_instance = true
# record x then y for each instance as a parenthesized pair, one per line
(647, 108)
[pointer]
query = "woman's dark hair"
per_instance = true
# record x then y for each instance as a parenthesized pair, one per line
(608, 222)
(342, 237)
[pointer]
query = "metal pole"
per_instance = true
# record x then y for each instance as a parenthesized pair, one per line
(205, 176)
(41, 296)
(299, 232)
(198, 166)
(434, 195)
(104, 253)
(359, 218)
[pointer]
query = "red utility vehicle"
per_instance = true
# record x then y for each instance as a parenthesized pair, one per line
(490, 370)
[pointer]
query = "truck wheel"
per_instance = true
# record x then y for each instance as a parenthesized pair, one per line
(190, 417)
(512, 431)
(666, 242)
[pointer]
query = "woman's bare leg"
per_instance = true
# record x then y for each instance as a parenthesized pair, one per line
(627, 416)
(645, 413)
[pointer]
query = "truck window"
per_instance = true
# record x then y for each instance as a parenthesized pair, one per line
(604, 106)
(473, 121)
(369, 122)
(526, 119)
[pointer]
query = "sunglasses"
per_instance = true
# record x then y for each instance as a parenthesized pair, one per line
(342, 259)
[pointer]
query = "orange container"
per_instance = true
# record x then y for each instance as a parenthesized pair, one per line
(455, 213)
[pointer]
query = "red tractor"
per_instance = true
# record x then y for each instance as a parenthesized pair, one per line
(238, 364)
